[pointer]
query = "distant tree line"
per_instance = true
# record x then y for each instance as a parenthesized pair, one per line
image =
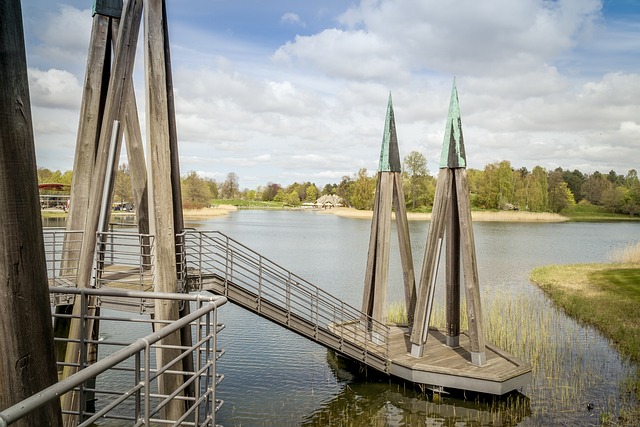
(497, 186)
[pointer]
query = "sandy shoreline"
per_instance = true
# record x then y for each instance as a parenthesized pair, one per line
(501, 216)
(205, 213)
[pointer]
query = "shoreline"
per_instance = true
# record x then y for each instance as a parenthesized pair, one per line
(477, 216)
(351, 213)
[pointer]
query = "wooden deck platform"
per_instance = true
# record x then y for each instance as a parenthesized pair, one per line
(450, 367)
(444, 366)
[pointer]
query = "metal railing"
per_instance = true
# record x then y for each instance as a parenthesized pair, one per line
(204, 257)
(126, 379)
(283, 296)
(124, 260)
(57, 252)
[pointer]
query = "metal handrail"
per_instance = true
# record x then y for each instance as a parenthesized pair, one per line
(204, 254)
(202, 405)
(211, 253)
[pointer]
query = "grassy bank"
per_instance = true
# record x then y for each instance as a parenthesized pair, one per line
(606, 296)
(586, 212)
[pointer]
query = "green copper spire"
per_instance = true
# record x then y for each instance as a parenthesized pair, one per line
(389, 154)
(453, 155)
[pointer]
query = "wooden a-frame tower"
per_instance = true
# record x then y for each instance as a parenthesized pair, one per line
(451, 215)
(108, 100)
(389, 194)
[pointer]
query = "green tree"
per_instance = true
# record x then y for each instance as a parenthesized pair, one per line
(594, 186)
(213, 187)
(415, 168)
(363, 191)
(560, 196)
(344, 189)
(280, 196)
(122, 191)
(312, 194)
(574, 181)
(293, 199)
(269, 192)
(195, 191)
(538, 190)
(230, 187)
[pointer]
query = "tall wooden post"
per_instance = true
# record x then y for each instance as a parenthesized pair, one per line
(27, 362)
(161, 204)
(388, 195)
(451, 210)
(113, 111)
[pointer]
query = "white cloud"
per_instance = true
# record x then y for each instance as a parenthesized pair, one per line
(291, 18)
(550, 83)
(54, 88)
(64, 37)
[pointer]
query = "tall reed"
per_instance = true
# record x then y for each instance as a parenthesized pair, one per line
(628, 255)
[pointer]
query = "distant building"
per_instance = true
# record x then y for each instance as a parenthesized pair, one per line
(329, 201)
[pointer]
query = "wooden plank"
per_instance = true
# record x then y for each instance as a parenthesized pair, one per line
(404, 243)
(470, 267)
(429, 265)
(27, 365)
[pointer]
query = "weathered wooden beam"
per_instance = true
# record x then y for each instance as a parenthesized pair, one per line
(452, 275)
(426, 287)
(113, 110)
(404, 243)
(161, 201)
(27, 362)
(173, 130)
(91, 111)
(369, 273)
(470, 267)
(383, 243)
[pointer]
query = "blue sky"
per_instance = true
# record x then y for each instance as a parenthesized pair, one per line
(293, 90)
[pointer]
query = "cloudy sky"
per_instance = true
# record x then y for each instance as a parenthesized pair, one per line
(290, 90)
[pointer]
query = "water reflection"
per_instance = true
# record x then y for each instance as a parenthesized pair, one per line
(378, 401)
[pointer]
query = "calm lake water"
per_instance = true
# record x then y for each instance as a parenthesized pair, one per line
(276, 378)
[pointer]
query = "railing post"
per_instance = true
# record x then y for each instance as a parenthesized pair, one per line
(259, 307)
(136, 380)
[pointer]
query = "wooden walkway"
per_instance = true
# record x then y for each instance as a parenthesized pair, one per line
(222, 266)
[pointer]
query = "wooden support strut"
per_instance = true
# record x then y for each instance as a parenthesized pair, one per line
(470, 267)
(27, 364)
(422, 315)
(453, 272)
(121, 72)
(162, 216)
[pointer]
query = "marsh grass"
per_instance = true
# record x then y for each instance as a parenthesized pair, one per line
(567, 365)
(628, 255)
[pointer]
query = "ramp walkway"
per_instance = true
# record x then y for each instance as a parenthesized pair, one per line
(211, 261)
